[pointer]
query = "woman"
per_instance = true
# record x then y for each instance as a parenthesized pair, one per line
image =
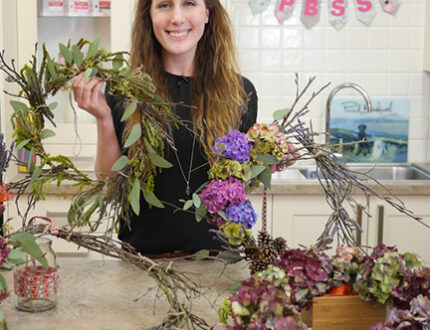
(187, 48)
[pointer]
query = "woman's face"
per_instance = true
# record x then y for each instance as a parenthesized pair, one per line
(179, 24)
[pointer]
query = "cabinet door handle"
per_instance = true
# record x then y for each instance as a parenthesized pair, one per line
(360, 223)
(380, 224)
(51, 214)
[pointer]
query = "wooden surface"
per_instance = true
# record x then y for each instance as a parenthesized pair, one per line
(345, 313)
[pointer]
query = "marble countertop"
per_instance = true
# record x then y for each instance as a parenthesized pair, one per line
(111, 294)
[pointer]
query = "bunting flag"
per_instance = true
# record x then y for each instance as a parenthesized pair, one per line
(284, 9)
(365, 11)
(337, 10)
(258, 6)
(390, 6)
(310, 12)
(337, 13)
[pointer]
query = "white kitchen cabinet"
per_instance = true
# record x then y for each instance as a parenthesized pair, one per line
(301, 219)
(394, 228)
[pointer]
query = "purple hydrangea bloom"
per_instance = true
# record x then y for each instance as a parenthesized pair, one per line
(235, 145)
(218, 194)
(242, 213)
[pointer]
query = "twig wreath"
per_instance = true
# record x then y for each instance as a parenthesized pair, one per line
(243, 161)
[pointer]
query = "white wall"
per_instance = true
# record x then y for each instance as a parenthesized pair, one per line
(386, 59)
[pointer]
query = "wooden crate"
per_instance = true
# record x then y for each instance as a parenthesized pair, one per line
(343, 313)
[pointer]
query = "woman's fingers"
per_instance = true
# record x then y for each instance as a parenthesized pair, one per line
(87, 94)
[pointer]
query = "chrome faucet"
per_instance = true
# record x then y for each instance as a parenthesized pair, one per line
(330, 97)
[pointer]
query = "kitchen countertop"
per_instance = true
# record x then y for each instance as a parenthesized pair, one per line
(111, 294)
(289, 183)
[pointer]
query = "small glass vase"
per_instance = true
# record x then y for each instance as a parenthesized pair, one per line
(36, 286)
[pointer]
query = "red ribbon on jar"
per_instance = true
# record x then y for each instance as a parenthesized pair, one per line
(36, 282)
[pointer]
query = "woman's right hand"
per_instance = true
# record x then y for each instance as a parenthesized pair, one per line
(90, 97)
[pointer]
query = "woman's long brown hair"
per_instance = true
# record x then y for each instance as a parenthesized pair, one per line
(216, 88)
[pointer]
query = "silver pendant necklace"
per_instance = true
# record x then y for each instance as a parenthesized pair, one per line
(187, 179)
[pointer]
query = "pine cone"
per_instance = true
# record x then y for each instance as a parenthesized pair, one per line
(251, 253)
(280, 244)
(263, 239)
(268, 254)
(257, 266)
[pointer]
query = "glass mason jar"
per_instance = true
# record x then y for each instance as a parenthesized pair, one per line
(36, 286)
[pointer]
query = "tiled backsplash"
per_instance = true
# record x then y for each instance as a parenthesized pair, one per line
(385, 58)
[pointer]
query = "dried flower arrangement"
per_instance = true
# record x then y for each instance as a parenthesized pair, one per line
(242, 162)
(273, 298)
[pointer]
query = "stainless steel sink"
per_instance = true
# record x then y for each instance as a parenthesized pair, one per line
(378, 172)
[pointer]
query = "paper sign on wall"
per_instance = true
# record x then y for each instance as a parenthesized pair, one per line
(258, 6)
(365, 11)
(310, 12)
(390, 6)
(284, 9)
(337, 13)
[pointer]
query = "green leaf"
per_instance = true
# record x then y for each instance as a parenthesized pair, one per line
(47, 133)
(130, 110)
(134, 135)
(188, 204)
(265, 177)
(3, 284)
(200, 212)
(152, 199)
(87, 74)
(230, 256)
(36, 173)
(27, 242)
(201, 255)
(78, 56)
(196, 200)
(22, 144)
(256, 170)
(281, 113)
(52, 105)
(66, 53)
(267, 159)
(15, 256)
(124, 71)
(94, 46)
(120, 163)
(51, 68)
(17, 106)
(159, 161)
(222, 215)
(117, 62)
(148, 146)
(134, 197)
